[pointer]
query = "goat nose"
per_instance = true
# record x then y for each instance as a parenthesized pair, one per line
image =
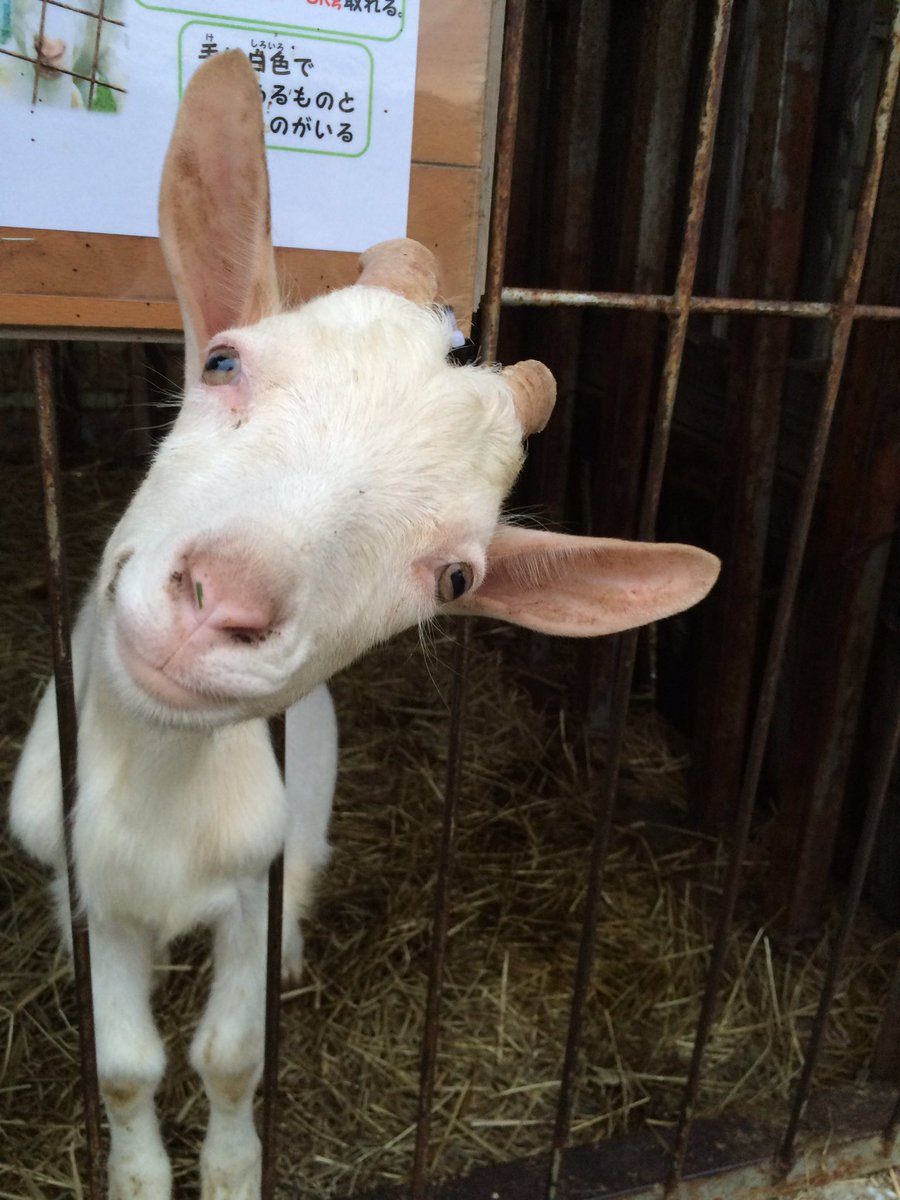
(225, 594)
(49, 48)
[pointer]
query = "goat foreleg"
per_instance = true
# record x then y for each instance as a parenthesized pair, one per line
(130, 1060)
(227, 1050)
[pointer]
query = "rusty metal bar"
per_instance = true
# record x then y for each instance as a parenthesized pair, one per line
(628, 643)
(273, 997)
(772, 186)
(766, 702)
(503, 163)
(438, 954)
(893, 1125)
(58, 588)
(687, 269)
(885, 1064)
(503, 171)
(880, 781)
(518, 297)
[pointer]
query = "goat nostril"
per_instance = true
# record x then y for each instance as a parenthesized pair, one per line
(49, 49)
(223, 593)
(248, 637)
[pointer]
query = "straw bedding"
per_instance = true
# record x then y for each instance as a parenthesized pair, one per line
(350, 1056)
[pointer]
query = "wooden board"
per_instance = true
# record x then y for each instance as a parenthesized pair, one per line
(62, 282)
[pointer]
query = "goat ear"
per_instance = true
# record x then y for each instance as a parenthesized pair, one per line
(214, 205)
(580, 587)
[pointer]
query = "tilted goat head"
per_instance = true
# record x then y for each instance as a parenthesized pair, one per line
(331, 478)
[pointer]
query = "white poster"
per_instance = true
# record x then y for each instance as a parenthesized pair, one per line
(88, 96)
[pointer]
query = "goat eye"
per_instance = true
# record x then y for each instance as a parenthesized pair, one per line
(222, 366)
(454, 581)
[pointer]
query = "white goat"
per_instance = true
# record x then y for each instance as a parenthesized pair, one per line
(331, 479)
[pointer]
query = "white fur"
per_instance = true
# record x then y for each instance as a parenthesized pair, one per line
(345, 483)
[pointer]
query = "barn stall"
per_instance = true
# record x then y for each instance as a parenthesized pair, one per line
(713, 199)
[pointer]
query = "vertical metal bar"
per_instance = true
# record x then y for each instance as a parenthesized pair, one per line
(885, 1065)
(68, 745)
(628, 643)
(428, 1073)
(509, 104)
(771, 195)
(621, 689)
(765, 706)
(273, 998)
(880, 782)
(96, 56)
(856, 515)
(576, 81)
(503, 170)
(687, 268)
(893, 1124)
(34, 61)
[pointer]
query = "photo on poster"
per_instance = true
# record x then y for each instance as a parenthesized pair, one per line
(55, 56)
(88, 96)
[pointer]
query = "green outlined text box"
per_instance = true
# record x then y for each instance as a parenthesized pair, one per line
(316, 92)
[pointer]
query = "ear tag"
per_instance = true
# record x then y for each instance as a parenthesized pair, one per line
(457, 337)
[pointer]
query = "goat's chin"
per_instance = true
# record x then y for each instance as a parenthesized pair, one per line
(154, 694)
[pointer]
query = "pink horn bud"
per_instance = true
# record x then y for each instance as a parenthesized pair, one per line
(533, 393)
(402, 266)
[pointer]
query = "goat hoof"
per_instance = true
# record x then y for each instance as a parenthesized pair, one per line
(238, 1179)
(136, 1180)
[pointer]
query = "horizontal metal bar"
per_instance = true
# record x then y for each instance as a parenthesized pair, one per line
(520, 297)
(35, 62)
(517, 297)
(87, 333)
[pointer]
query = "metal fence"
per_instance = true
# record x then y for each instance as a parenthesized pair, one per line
(679, 1167)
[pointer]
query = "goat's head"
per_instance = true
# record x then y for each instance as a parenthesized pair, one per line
(331, 478)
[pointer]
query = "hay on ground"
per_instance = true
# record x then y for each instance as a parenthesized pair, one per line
(351, 1046)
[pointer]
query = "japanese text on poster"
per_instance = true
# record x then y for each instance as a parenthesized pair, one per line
(88, 98)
